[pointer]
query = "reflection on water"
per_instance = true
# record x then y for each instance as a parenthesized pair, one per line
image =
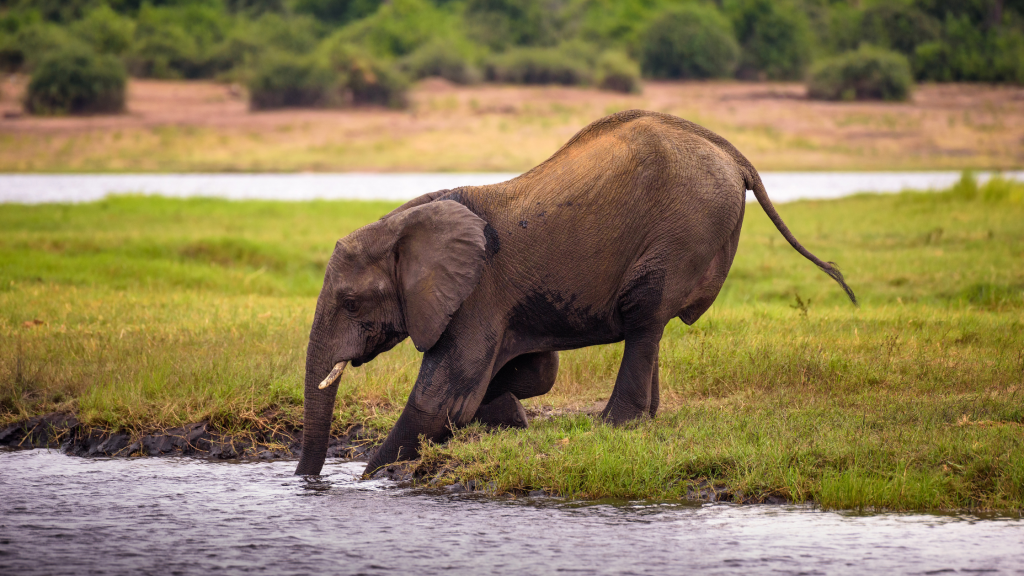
(64, 515)
(36, 188)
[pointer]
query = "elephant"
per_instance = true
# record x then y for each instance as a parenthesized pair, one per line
(633, 222)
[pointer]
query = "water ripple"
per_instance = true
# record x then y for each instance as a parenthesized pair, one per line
(63, 515)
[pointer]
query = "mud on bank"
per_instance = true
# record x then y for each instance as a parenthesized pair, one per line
(63, 431)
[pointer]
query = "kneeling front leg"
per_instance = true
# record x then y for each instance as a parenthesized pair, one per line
(522, 377)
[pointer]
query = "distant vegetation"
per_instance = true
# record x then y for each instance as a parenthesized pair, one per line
(866, 74)
(605, 43)
(69, 81)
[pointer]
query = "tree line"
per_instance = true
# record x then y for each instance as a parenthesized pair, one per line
(341, 52)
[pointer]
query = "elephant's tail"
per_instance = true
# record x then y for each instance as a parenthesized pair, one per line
(829, 268)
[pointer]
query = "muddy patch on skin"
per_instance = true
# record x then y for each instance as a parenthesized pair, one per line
(200, 439)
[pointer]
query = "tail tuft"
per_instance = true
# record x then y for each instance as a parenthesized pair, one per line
(833, 271)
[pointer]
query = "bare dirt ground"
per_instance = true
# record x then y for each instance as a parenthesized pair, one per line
(204, 126)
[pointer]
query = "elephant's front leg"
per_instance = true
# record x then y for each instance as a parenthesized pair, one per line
(522, 377)
(450, 387)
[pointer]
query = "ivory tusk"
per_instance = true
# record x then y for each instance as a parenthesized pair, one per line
(334, 375)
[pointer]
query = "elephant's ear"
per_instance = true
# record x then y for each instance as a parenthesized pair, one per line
(440, 257)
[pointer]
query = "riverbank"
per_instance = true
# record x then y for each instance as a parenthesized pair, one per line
(138, 315)
(174, 126)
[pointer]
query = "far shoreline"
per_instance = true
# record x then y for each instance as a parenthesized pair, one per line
(203, 126)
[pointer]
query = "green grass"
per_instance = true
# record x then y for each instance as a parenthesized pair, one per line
(160, 312)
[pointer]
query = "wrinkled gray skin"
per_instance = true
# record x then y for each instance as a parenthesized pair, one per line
(633, 222)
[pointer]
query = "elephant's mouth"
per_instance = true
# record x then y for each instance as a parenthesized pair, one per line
(334, 375)
(357, 362)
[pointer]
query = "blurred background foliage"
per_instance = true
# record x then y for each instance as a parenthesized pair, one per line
(343, 52)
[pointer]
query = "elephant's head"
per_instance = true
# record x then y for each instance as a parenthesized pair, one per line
(404, 275)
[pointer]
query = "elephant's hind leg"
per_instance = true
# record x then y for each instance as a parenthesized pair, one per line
(636, 393)
(522, 377)
(655, 390)
(644, 316)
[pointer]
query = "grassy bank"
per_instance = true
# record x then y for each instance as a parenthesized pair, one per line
(139, 313)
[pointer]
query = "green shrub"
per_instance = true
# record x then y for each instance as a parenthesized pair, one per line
(178, 41)
(442, 59)
(538, 66)
(247, 41)
(842, 30)
(966, 52)
(337, 12)
(369, 81)
(24, 48)
(364, 78)
(283, 80)
(996, 190)
(775, 39)
(255, 7)
(61, 11)
(868, 73)
(615, 71)
(105, 30)
(688, 41)
(899, 27)
(615, 23)
(503, 24)
(167, 52)
(76, 82)
(400, 27)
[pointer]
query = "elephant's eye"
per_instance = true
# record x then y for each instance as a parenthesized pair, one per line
(350, 305)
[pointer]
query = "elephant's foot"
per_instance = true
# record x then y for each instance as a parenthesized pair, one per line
(617, 413)
(505, 410)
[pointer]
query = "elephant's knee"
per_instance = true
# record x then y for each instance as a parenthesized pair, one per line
(525, 376)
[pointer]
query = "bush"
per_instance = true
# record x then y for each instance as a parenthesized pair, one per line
(283, 80)
(364, 78)
(249, 39)
(442, 59)
(968, 53)
(400, 27)
(503, 24)
(865, 74)
(24, 48)
(898, 27)
(337, 11)
(538, 66)
(178, 41)
(105, 30)
(335, 76)
(997, 190)
(167, 52)
(76, 82)
(689, 41)
(617, 72)
(368, 81)
(775, 39)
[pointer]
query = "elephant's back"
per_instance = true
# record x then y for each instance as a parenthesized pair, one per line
(620, 193)
(635, 168)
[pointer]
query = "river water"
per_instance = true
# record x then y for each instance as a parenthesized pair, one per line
(66, 515)
(40, 188)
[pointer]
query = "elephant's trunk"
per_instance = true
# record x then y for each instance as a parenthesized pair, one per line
(318, 409)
